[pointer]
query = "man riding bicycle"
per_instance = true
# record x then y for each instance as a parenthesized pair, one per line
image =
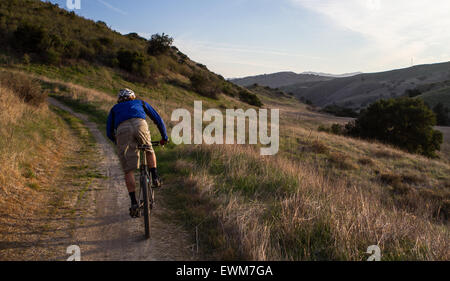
(127, 128)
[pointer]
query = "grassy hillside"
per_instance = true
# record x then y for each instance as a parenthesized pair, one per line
(361, 90)
(45, 38)
(288, 210)
(270, 95)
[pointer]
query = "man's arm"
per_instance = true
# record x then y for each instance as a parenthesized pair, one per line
(151, 112)
(110, 127)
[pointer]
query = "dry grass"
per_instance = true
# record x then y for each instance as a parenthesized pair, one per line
(319, 147)
(342, 161)
(84, 95)
(28, 146)
(320, 219)
(365, 161)
(34, 145)
(24, 87)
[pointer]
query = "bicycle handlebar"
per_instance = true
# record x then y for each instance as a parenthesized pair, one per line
(155, 143)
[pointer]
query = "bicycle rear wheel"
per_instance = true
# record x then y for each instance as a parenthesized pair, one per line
(146, 207)
(151, 196)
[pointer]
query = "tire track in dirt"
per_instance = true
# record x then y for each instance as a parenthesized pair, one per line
(108, 232)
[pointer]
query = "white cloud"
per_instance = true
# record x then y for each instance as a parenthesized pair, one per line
(396, 30)
(241, 49)
(233, 60)
(109, 6)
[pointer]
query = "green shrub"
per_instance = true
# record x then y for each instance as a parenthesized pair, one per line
(133, 62)
(135, 36)
(406, 123)
(182, 56)
(30, 38)
(52, 57)
(159, 44)
(154, 65)
(72, 50)
(228, 89)
(87, 53)
(250, 98)
(336, 129)
(204, 85)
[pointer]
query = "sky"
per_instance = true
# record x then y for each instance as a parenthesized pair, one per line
(237, 38)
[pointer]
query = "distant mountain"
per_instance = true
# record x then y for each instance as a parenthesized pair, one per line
(332, 75)
(279, 79)
(363, 89)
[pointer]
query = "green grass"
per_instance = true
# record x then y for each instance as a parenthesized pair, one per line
(260, 181)
(27, 171)
(82, 172)
(92, 175)
(34, 186)
(192, 210)
(314, 242)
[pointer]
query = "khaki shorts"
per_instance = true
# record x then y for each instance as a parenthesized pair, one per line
(129, 135)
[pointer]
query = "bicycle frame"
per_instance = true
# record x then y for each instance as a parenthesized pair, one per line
(146, 194)
(143, 171)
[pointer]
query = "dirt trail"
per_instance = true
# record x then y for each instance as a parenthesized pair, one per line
(110, 233)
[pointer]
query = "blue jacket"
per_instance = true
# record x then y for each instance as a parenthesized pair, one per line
(132, 109)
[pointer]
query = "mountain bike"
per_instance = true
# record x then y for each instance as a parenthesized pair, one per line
(146, 192)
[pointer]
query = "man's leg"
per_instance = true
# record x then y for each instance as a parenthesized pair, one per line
(131, 186)
(130, 182)
(143, 136)
(151, 162)
(151, 159)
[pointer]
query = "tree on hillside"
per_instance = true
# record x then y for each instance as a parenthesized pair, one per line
(250, 98)
(203, 84)
(441, 112)
(133, 62)
(159, 44)
(36, 39)
(31, 38)
(406, 123)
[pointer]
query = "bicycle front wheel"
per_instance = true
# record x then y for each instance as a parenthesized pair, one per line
(146, 207)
